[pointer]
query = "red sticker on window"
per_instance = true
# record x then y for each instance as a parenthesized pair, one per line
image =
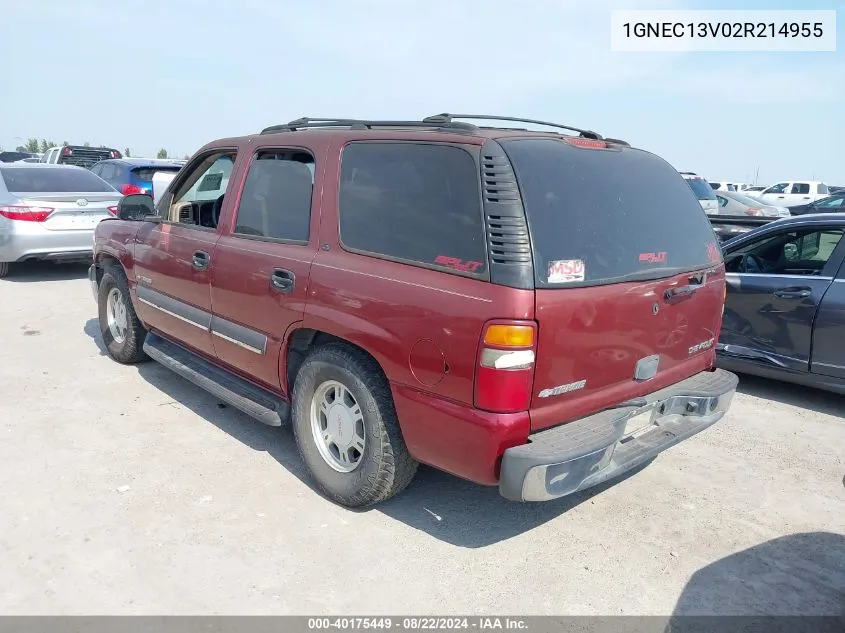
(653, 258)
(457, 264)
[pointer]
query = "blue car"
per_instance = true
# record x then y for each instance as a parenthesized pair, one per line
(133, 175)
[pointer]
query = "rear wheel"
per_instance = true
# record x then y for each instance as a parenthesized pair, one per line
(4, 269)
(346, 427)
(122, 331)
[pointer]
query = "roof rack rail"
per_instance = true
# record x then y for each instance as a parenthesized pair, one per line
(364, 124)
(449, 118)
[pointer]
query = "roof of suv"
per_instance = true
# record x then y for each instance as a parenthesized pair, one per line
(443, 125)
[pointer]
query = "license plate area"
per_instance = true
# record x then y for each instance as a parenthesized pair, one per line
(641, 422)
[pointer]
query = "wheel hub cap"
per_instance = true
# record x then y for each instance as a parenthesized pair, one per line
(337, 425)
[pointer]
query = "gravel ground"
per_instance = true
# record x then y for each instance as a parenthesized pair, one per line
(127, 490)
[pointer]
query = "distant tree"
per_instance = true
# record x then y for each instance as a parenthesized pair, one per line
(127, 153)
(65, 143)
(86, 144)
(162, 153)
(32, 145)
(20, 148)
(44, 145)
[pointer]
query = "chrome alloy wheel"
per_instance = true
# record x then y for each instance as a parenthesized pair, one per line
(116, 315)
(338, 426)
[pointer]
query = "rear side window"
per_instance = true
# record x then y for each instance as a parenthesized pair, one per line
(146, 173)
(276, 199)
(52, 180)
(598, 216)
(413, 202)
(801, 187)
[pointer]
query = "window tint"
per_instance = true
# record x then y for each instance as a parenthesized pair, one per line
(146, 173)
(803, 252)
(276, 199)
(612, 214)
(52, 180)
(413, 202)
(801, 187)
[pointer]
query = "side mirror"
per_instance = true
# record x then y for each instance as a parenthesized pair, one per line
(790, 251)
(137, 207)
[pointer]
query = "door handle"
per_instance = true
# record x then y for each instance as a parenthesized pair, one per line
(793, 293)
(200, 260)
(282, 280)
(680, 291)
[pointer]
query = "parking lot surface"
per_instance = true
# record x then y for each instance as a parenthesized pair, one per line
(127, 490)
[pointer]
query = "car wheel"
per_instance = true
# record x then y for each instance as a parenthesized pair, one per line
(122, 331)
(4, 269)
(346, 427)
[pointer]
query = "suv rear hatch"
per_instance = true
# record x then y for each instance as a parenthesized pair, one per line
(627, 272)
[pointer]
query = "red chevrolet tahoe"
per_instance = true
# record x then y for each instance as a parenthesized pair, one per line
(535, 310)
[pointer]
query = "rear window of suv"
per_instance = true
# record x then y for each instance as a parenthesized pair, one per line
(52, 180)
(607, 215)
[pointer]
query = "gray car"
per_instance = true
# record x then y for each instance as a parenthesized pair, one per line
(50, 212)
(734, 203)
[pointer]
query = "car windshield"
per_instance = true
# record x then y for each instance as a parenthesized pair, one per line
(52, 180)
(701, 189)
(610, 215)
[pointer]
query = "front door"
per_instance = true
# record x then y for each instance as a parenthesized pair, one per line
(263, 261)
(776, 284)
(173, 259)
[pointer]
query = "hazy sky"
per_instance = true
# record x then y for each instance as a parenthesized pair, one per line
(178, 73)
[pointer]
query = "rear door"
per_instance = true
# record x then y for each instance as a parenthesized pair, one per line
(76, 199)
(263, 260)
(629, 275)
(776, 284)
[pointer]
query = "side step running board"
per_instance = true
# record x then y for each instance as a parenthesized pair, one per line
(246, 397)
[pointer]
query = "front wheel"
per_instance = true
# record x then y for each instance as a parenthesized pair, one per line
(346, 427)
(122, 331)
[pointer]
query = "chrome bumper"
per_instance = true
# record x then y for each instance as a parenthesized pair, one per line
(592, 450)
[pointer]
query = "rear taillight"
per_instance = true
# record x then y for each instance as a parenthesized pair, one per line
(751, 211)
(128, 190)
(115, 154)
(112, 210)
(67, 151)
(585, 142)
(26, 214)
(505, 373)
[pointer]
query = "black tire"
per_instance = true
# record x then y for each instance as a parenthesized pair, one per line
(131, 349)
(4, 269)
(386, 467)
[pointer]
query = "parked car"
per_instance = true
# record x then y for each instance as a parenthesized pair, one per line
(724, 185)
(702, 190)
(792, 193)
(734, 203)
(79, 155)
(834, 203)
(785, 308)
(50, 212)
(833, 189)
(12, 157)
(753, 190)
(133, 175)
(525, 309)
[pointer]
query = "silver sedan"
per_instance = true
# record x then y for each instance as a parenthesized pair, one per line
(734, 203)
(50, 211)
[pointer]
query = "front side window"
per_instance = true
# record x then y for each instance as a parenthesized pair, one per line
(804, 252)
(414, 203)
(781, 187)
(276, 199)
(199, 198)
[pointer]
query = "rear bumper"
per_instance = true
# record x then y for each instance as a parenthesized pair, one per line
(592, 450)
(20, 241)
